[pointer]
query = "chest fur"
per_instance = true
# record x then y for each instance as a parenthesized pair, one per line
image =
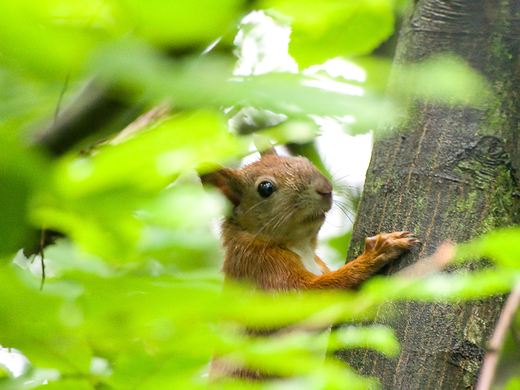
(307, 257)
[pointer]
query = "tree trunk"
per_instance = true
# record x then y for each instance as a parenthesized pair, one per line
(446, 174)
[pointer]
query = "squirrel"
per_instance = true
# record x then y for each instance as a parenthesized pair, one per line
(270, 237)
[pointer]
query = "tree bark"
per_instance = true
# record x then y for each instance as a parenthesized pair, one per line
(446, 173)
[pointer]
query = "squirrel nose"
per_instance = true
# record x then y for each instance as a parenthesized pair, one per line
(323, 187)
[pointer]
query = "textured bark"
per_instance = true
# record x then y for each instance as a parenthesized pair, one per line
(447, 173)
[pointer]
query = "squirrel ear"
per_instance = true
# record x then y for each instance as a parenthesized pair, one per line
(226, 181)
(264, 146)
(269, 153)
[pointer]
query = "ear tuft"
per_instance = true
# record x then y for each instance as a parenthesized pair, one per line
(269, 153)
(264, 146)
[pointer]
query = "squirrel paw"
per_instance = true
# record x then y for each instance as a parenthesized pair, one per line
(389, 246)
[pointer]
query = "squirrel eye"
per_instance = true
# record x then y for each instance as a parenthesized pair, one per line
(265, 189)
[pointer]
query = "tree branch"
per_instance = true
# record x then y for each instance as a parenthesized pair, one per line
(496, 342)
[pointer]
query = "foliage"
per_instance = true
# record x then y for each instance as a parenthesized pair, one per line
(133, 298)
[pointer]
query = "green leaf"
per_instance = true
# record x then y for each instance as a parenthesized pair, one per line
(513, 384)
(72, 383)
(4, 373)
(379, 338)
(181, 23)
(452, 287)
(209, 81)
(33, 378)
(65, 256)
(150, 372)
(377, 71)
(96, 199)
(52, 38)
(501, 245)
(341, 243)
(445, 78)
(32, 323)
(22, 171)
(328, 29)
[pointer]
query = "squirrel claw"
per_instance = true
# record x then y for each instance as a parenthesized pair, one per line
(406, 234)
(389, 246)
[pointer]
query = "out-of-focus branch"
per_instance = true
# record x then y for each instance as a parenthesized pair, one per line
(88, 114)
(156, 115)
(496, 342)
(430, 264)
(93, 108)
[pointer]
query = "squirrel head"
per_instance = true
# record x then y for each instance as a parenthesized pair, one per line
(281, 199)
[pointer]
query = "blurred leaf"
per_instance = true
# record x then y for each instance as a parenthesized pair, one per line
(154, 372)
(50, 37)
(451, 287)
(54, 38)
(501, 245)
(341, 243)
(152, 159)
(31, 323)
(182, 23)
(292, 131)
(14, 191)
(72, 383)
(509, 363)
(377, 338)
(33, 378)
(514, 384)
(377, 72)
(328, 29)
(25, 98)
(95, 198)
(64, 256)
(185, 249)
(295, 353)
(184, 207)
(209, 81)
(447, 78)
(22, 171)
(133, 297)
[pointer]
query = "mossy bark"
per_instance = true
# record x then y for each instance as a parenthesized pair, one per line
(447, 173)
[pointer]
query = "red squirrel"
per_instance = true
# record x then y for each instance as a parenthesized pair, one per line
(270, 237)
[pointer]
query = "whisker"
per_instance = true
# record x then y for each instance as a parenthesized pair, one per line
(344, 206)
(345, 210)
(286, 216)
(349, 217)
(340, 178)
(347, 190)
(252, 207)
(333, 225)
(280, 215)
(333, 175)
(347, 195)
(345, 186)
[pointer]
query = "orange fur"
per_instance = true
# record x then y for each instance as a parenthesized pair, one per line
(261, 233)
(270, 266)
(270, 238)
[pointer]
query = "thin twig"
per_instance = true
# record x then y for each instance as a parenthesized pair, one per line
(90, 111)
(496, 342)
(58, 104)
(42, 246)
(156, 114)
(430, 264)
